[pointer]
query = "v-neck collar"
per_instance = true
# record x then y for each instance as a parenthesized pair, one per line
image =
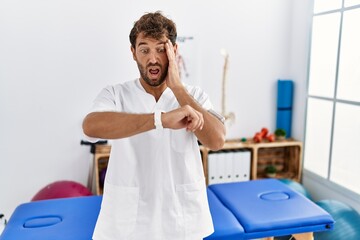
(164, 94)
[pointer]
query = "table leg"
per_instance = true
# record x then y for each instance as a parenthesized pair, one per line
(304, 236)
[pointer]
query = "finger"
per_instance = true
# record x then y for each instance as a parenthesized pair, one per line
(199, 117)
(200, 121)
(197, 121)
(170, 51)
(170, 46)
(191, 123)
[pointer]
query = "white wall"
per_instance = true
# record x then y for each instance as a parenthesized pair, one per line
(256, 34)
(298, 62)
(55, 56)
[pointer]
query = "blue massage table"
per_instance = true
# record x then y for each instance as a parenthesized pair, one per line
(243, 210)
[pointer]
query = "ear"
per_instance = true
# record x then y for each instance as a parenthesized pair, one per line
(133, 52)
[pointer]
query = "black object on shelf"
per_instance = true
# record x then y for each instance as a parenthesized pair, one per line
(93, 145)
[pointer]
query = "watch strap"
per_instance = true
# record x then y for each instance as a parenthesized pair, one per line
(157, 119)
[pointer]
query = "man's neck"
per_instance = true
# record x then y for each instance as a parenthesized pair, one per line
(155, 91)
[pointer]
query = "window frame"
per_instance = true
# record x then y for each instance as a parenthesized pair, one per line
(308, 173)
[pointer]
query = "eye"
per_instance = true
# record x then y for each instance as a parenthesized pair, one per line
(144, 50)
(161, 50)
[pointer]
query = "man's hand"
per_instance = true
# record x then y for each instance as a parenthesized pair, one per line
(209, 130)
(183, 117)
(173, 77)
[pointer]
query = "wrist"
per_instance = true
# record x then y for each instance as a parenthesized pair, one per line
(177, 88)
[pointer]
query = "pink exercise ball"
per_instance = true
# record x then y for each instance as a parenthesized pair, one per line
(62, 189)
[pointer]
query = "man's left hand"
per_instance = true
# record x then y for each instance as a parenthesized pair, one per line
(173, 77)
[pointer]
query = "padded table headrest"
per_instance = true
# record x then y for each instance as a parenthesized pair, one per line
(268, 205)
(66, 218)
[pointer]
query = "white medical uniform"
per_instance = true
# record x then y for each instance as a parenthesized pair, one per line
(154, 187)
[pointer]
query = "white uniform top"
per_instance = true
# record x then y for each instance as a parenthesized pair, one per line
(154, 187)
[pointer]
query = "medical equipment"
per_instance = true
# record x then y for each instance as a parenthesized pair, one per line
(241, 210)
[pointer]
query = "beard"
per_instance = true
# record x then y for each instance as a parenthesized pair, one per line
(144, 74)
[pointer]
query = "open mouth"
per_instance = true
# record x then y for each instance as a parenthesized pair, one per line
(154, 72)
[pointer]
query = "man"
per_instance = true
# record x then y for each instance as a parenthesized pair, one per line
(154, 187)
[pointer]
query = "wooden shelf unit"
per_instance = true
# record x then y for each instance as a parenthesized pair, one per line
(101, 158)
(286, 155)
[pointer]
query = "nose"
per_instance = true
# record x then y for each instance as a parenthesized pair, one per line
(153, 57)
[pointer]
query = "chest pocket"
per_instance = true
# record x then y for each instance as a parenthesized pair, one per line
(181, 140)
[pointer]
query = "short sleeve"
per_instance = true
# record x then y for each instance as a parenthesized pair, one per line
(201, 97)
(105, 101)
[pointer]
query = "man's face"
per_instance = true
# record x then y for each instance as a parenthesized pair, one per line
(151, 58)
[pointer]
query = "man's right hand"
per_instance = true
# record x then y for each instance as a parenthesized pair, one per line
(183, 117)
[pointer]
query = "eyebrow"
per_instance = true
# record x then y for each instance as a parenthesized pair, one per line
(145, 43)
(142, 43)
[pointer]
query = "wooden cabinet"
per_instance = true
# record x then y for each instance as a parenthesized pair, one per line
(101, 158)
(285, 155)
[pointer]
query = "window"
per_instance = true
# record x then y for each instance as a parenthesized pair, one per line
(332, 133)
(327, 5)
(318, 135)
(349, 3)
(349, 68)
(325, 41)
(345, 162)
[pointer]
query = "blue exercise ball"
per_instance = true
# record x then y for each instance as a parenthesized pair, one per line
(347, 221)
(296, 187)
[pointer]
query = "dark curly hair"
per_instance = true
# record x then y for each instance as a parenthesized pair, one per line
(154, 25)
